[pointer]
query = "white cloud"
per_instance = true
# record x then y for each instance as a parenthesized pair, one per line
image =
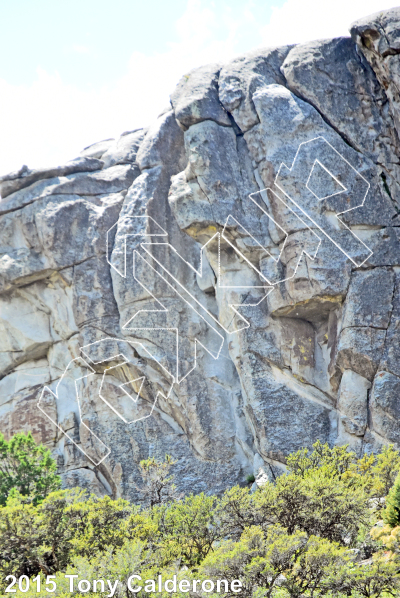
(80, 49)
(299, 21)
(49, 122)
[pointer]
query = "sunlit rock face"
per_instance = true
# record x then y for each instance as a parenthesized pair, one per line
(189, 289)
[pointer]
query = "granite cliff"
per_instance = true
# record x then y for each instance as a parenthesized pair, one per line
(190, 289)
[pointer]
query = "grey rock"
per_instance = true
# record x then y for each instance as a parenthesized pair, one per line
(320, 285)
(204, 288)
(189, 203)
(195, 98)
(242, 77)
(360, 350)
(385, 411)
(112, 180)
(217, 171)
(124, 149)
(369, 299)
(26, 375)
(378, 39)
(385, 245)
(391, 356)
(272, 404)
(96, 150)
(353, 402)
(25, 177)
(330, 75)
(87, 479)
(160, 144)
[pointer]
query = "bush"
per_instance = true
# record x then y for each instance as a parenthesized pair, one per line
(36, 538)
(289, 538)
(26, 467)
(391, 513)
(275, 559)
(158, 486)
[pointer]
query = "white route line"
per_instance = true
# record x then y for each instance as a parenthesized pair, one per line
(144, 246)
(46, 388)
(330, 174)
(278, 259)
(283, 165)
(121, 386)
(164, 309)
(163, 233)
(126, 361)
(93, 372)
(230, 217)
(218, 236)
(233, 306)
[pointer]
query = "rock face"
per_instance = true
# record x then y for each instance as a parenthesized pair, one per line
(190, 288)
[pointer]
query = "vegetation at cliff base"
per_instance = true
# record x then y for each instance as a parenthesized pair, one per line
(391, 514)
(27, 468)
(323, 528)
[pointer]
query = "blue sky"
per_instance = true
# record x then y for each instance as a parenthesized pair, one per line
(75, 72)
(89, 42)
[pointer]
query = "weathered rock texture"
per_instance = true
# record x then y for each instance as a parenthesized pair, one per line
(315, 356)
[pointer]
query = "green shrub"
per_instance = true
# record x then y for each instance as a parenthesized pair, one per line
(26, 467)
(391, 513)
(289, 538)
